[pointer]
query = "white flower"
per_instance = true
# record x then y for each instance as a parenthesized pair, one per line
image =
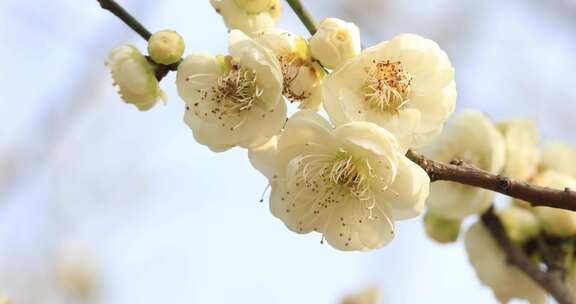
(559, 157)
(405, 85)
(134, 76)
(370, 295)
(335, 42)
(233, 100)
(348, 183)
(166, 47)
(492, 268)
(301, 74)
(522, 156)
(248, 16)
(557, 222)
(473, 139)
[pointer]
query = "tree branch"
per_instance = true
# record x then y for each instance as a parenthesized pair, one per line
(550, 281)
(115, 8)
(303, 15)
(465, 174)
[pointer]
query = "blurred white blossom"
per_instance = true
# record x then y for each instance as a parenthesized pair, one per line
(370, 295)
(560, 157)
(248, 16)
(557, 222)
(473, 139)
(522, 155)
(489, 261)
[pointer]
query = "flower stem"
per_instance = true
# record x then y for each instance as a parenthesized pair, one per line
(303, 15)
(115, 8)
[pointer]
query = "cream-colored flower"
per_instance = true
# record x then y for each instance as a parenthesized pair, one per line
(233, 100)
(335, 42)
(522, 156)
(520, 223)
(473, 139)
(348, 183)
(301, 74)
(441, 229)
(135, 77)
(557, 222)
(405, 85)
(370, 295)
(559, 157)
(493, 270)
(4, 300)
(76, 271)
(166, 47)
(248, 16)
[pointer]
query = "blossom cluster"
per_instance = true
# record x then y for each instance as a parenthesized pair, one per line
(338, 165)
(346, 177)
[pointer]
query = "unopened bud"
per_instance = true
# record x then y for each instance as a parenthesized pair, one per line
(441, 229)
(166, 47)
(520, 223)
(335, 42)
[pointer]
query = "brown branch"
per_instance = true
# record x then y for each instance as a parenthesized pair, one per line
(550, 281)
(465, 174)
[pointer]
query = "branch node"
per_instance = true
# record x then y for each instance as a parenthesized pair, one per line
(457, 162)
(503, 183)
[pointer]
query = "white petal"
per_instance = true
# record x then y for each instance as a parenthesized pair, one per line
(407, 195)
(348, 229)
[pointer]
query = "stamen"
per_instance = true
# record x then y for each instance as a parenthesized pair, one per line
(387, 86)
(264, 193)
(290, 66)
(234, 93)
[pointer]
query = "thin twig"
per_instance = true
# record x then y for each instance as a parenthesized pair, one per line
(303, 15)
(550, 281)
(465, 174)
(115, 8)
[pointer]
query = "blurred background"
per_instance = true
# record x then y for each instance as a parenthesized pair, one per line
(101, 203)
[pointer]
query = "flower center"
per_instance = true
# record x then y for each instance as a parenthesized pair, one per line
(337, 175)
(387, 87)
(236, 91)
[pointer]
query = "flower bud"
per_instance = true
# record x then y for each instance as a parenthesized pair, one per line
(440, 229)
(520, 223)
(135, 77)
(335, 42)
(166, 47)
